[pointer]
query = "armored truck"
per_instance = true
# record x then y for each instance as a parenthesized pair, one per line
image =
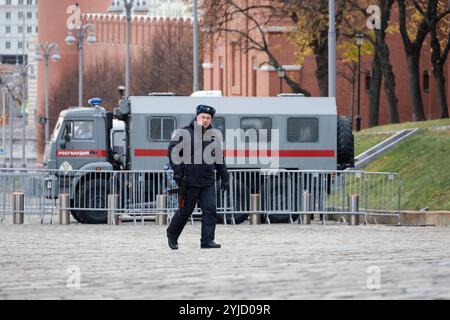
(299, 134)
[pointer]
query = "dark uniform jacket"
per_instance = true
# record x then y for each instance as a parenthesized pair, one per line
(198, 175)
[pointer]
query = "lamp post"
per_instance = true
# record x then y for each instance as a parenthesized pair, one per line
(3, 89)
(332, 49)
(23, 72)
(128, 5)
(80, 33)
(195, 45)
(359, 39)
(12, 87)
(44, 52)
(6, 81)
(281, 74)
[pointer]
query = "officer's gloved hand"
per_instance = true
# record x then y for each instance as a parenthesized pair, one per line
(178, 177)
(224, 185)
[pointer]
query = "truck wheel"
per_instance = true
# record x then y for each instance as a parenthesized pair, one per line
(241, 203)
(92, 194)
(75, 215)
(278, 194)
(345, 143)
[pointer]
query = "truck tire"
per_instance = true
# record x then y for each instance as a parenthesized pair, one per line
(345, 143)
(75, 215)
(279, 194)
(92, 194)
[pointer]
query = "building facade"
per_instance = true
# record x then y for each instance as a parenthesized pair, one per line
(238, 72)
(18, 22)
(110, 24)
(155, 8)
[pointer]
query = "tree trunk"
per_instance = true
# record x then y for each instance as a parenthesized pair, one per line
(353, 93)
(375, 90)
(389, 81)
(389, 86)
(414, 86)
(296, 88)
(438, 72)
(322, 72)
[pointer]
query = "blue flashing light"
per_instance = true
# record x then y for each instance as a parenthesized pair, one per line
(95, 102)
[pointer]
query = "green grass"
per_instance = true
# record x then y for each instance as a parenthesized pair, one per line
(364, 142)
(423, 162)
(407, 125)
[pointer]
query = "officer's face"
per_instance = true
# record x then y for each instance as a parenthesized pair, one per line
(204, 119)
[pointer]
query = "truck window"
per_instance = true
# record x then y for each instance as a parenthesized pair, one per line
(118, 142)
(83, 130)
(161, 128)
(256, 123)
(219, 124)
(303, 130)
(56, 130)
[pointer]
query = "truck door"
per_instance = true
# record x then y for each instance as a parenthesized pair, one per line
(80, 144)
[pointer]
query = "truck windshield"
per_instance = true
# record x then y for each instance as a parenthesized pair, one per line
(56, 130)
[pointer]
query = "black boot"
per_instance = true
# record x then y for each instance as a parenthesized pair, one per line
(173, 244)
(210, 245)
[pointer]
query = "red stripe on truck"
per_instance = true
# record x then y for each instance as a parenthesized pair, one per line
(81, 153)
(249, 153)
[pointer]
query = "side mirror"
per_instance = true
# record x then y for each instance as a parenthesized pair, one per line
(67, 137)
(66, 140)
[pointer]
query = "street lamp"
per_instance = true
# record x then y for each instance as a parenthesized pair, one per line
(195, 45)
(71, 39)
(6, 81)
(281, 74)
(23, 72)
(44, 52)
(128, 5)
(359, 39)
(13, 87)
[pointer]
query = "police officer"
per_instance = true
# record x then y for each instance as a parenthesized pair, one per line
(197, 179)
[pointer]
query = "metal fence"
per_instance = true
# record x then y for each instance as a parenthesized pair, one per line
(266, 195)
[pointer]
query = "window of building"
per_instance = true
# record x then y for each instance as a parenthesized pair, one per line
(29, 29)
(8, 2)
(368, 79)
(233, 64)
(20, 29)
(8, 45)
(29, 15)
(36, 29)
(29, 2)
(221, 80)
(20, 45)
(8, 15)
(7, 29)
(20, 2)
(303, 130)
(254, 76)
(261, 126)
(20, 15)
(161, 128)
(426, 81)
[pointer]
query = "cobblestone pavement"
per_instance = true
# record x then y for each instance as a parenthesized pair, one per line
(255, 262)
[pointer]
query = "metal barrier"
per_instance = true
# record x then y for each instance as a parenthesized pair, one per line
(269, 196)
